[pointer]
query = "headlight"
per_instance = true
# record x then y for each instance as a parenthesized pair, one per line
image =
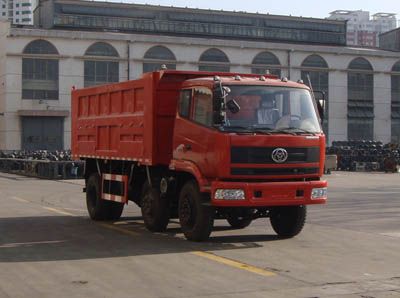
(229, 194)
(319, 193)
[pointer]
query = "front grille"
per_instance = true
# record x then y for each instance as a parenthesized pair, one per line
(274, 171)
(262, 155)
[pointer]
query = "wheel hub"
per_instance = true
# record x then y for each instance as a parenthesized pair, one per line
(185, 212)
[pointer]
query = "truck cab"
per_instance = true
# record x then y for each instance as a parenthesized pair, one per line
(253, 143)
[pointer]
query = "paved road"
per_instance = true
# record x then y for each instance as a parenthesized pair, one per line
(49, 248)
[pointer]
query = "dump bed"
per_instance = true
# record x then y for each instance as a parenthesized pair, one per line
(132, 120)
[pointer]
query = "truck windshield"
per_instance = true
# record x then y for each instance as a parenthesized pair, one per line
(272, 109)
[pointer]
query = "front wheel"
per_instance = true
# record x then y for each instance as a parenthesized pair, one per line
(288, 221)
(196, 216)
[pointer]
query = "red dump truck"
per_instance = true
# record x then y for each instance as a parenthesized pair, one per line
(201, 146)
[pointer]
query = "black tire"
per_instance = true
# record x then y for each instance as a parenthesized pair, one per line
(98, 208)
(288, 221)
(155, 209)
(239, 219)
(115, 210)
(196, 216)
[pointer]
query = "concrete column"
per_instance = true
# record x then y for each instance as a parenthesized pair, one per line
(382, 107)
(337, 102)
(295, 75)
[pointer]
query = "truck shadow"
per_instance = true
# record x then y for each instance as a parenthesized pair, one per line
(52, 238)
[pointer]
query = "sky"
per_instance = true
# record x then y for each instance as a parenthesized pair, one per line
(305, 8)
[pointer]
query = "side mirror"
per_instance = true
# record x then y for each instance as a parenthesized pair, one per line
(218, 117)
(320, 101)
(233, 106)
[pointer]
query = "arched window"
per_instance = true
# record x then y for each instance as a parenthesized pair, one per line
(315, 72)
(360, 104)
(314, 61)
(396, 103)
(99, 68)
(265, 62)
(40, 71)
(156, 56)
(214, 60)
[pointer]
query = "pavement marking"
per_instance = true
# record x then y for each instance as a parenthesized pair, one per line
(233, 263)
(105, 225)
(394, 234)
(19, 200)
(115, 228)
(58, 211)
(13, 245)
(74, 209)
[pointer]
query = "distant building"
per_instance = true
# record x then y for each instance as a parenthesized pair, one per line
(87, 43)
(390, 40)
(361, 29)
(19, 12)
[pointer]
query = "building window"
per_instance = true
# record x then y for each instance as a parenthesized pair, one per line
(158, 56)
(40, 72)
(315, 74)
(360, 105)
(396, 103)
(26, 4)
(17, 5)
(214, 60)
(99, 68)
(266, 62)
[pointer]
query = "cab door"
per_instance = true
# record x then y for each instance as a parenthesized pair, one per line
(194, 135)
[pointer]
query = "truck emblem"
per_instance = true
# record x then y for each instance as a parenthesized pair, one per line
(279, 155)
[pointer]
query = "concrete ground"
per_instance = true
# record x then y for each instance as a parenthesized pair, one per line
(49, 248)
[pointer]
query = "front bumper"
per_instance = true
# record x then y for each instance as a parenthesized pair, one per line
(265, 194)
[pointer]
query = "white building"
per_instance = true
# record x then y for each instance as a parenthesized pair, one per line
(38, 68)
(363, 30)
(17, 11)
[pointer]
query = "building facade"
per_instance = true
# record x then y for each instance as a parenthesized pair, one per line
(19, 12)
(390, 40)
(362, 30)
(40, 66)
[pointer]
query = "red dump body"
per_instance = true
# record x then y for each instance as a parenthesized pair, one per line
(132, 120)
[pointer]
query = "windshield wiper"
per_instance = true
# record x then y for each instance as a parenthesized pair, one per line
(294, 131)
(248, 129)
(234, 127)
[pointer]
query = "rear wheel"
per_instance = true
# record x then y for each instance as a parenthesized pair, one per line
(115, 210)
(288, 221)
(98, 208)
(239, 219)
(196, 216)
(155, 209)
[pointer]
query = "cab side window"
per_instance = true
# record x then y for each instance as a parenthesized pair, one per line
(202, 110)
(185, 103)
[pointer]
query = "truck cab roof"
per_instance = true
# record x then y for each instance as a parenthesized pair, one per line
(206, 78)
